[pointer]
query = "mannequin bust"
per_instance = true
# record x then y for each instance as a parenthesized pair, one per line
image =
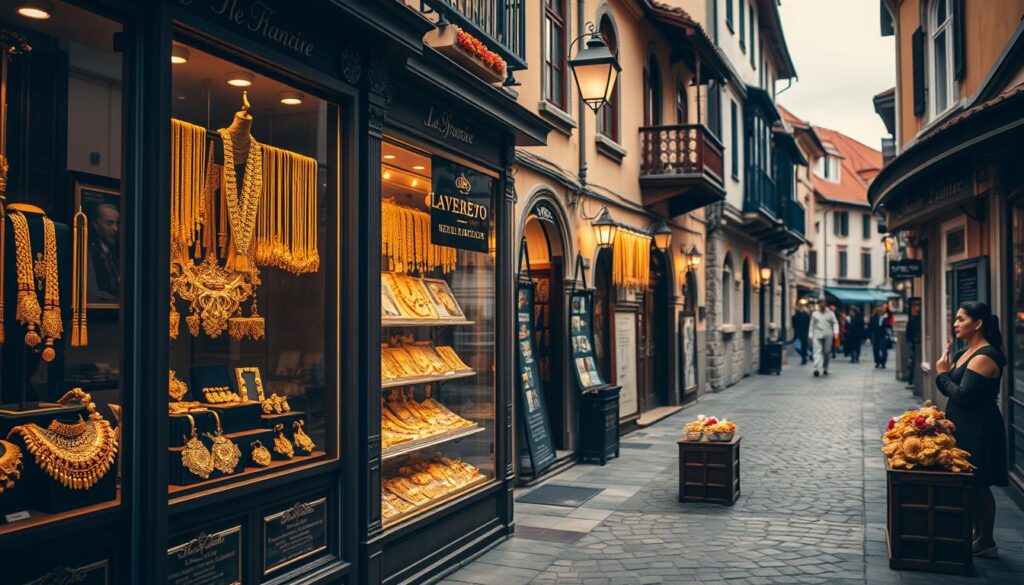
(240, 130)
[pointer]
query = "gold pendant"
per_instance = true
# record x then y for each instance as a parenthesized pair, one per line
(260, 454)
(281, 443)
(301, 439)
(196, 458)
(226, 454)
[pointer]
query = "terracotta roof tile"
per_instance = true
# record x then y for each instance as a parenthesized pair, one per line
(860, 164)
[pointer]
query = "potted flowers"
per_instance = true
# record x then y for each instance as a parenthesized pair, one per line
(467, 50)
(720, 430)
(694, 429)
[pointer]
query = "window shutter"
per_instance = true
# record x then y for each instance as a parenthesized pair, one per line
(958, 39)
(917, 56)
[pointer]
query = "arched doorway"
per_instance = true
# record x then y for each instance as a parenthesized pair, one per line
(544, 239)
(654, 322)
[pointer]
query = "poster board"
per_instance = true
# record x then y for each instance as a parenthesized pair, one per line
(626, 362)
(581, 340)
(689, 348)
(534, 412)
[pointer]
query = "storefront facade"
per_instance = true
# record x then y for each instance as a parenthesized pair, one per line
(328, 212)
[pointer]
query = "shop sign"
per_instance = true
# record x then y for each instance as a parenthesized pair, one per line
(97, 573)
(294, 534)
(208, 559)
(445, 124)
(460, 206)
(581, 339)
(905, 269)
(543, 213)
(536, 426)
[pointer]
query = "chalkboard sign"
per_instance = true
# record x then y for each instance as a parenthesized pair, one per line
(460, 206)
(294, 534)
(905, 269)
(581, 339)
(531, 395)
(208, 559)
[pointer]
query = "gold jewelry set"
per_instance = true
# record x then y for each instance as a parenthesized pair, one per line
(418, 359)
(195, 457)
(405, 241)
(223, 455)
(403, 419)
(275, 404)
(175, 387)
(226, 453)
(422, 482)
(282, 445)
(43, 323)
(260, 454)
(185, 407)
(79, 454)
(10, 465)
(413, 300)
(301, 439)
(220, 395)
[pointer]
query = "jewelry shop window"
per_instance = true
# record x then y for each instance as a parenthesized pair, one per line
(437, 330)
(252, 381)
(61, 207)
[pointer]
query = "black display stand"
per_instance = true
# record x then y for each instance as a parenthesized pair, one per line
(599, 424)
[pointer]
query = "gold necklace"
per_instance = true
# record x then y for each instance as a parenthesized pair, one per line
(226, 454)
(411, 297)
(242, 206)
(10, 465)
(195, 457)
(29, 313)
(77, 455)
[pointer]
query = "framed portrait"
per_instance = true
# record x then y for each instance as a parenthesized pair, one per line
(100, 200)
(250, 385)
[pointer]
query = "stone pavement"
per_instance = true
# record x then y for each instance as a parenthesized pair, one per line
(812, 507)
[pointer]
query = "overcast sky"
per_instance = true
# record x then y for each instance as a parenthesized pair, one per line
(842, 61)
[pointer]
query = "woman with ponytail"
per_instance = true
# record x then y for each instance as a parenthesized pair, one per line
(970, 379)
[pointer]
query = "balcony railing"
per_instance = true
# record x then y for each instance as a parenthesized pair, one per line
(795, 217)
(501, 24)
(682, 149)
(761, 194)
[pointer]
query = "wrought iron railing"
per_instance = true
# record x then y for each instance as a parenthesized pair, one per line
(680, 149)
(501, 24)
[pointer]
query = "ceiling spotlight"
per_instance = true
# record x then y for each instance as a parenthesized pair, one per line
(35, 9)
(239, 78)
(387, 175)
(415, 182)
(290, 98)
(389, 157)
(179, 55)
(418, 167)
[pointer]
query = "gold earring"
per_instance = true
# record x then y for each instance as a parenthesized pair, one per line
(281, 443)
(226, 454)
(195, 457)
(301, 439)
(260, 454)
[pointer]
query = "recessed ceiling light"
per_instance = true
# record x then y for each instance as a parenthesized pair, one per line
(239, 78)
(35, 9)
(179, 55)
(415, 182)
(389, 157)
(418, 167)
(387, 175)
(290, 98)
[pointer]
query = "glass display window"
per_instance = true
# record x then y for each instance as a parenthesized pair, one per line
(61, 206)
(252, 380)
(437, 330)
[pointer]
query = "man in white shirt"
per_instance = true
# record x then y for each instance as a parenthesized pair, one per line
(824, 329)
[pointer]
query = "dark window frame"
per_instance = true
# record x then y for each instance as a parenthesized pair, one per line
(728, 15)
(866, 228)
(865, 264)
(750, 24)
(555, 75)
(843, 262)
(734, 140)
(743, 29)
(609, 120)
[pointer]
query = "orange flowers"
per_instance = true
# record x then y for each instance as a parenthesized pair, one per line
(479, 50)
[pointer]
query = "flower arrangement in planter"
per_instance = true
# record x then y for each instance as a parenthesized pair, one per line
(468, 51)
(474, 46)
(694, 429)
(714, 428)
(923, 438)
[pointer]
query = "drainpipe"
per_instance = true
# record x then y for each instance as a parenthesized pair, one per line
(581, 108)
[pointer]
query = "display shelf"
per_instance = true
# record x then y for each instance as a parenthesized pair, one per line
(423, 322)
(456, 493)
(37, 518)
(179, 491)
(413, 380)
(427, 442)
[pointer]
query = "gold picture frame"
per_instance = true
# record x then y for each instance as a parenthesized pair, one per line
(249, 378)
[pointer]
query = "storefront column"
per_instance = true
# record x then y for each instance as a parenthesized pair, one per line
(505, 305)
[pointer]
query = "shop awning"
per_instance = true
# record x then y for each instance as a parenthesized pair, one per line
(858, 296)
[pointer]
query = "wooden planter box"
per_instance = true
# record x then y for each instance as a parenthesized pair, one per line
(709, 471)
(444, 41)
(929, 524)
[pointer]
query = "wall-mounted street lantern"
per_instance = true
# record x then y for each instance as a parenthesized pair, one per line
(604, 229)
(661, 234)
(693, 257)
(595, 69)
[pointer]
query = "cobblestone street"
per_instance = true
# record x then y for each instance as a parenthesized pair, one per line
(812, 507)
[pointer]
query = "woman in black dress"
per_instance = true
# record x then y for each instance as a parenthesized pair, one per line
(970, 379)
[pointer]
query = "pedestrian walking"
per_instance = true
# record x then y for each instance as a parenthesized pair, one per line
(824, 331)
(801, 326)
(880, 333)
(835, 339)
(970, 379)
(854, 334)
(913, 339)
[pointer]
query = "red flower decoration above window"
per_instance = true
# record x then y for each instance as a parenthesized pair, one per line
(479, 50)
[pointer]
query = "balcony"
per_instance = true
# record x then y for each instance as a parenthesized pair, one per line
(680, 165)
(795, 218)
(771, 214)
(500, 24)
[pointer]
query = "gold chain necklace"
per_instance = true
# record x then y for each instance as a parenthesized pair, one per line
(10, 465)
(77, 455)
(29, 313)
(242, 206)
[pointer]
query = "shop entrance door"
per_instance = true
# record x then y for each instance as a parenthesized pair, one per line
(653, 322)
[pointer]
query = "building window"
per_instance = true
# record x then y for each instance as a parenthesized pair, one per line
(734, 143)
(714, 120)
(843, 263)
(728, 15)
(866, 232)
(812, 262)
(743, 29)
(652, 92)
(841, 223)
(747, 312)
(827, 168)
(942, 81)
(727, 284)
(752, 29)
(681, 102)
(555, 87)
(865, 264)
(608, 117)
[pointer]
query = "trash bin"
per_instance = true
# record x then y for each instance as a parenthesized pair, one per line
(771, 358)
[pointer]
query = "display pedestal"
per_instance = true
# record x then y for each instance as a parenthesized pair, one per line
(599, 425)
(930, 519)
(709, 471)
